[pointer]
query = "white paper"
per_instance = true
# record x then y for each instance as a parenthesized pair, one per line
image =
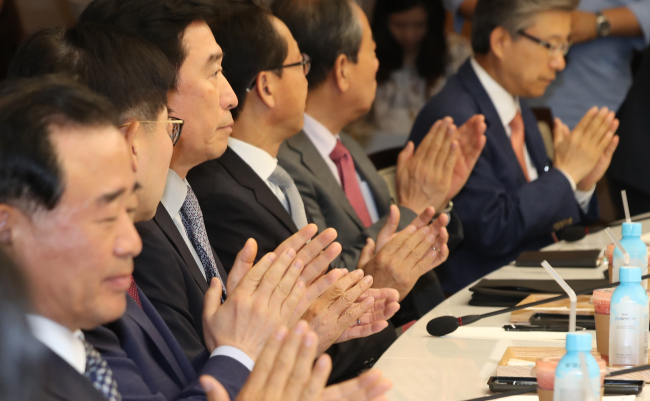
(498, 333)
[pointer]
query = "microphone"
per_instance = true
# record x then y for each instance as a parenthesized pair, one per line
(571, 233)
(443, 325)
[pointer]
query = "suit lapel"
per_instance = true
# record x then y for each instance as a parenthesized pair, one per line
(247, 178)
(147, 318)
(495, 129)
(367, 170)
(534, 141)
(65, 383)
(166, 224)
(314, 162)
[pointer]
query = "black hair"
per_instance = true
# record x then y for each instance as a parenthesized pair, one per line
(131, 73)
(324, 29)
(31, 177)
(161, 22)
(20, 353)
(265, 49)
(433, 53)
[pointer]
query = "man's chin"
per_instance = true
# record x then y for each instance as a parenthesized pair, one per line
(107, 312)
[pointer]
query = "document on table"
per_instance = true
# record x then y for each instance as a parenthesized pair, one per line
(498, 333)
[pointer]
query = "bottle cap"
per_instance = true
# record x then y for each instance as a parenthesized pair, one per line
(629, 274)
(578, 342)
(632, 229)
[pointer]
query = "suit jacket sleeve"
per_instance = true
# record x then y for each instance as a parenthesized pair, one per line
(157, 275)
(133, 386)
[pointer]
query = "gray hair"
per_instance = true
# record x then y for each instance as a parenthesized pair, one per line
(512, 15)
(324, 29)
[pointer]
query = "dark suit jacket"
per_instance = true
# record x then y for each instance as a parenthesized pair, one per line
(502, 214)
(148, 363)
(167, 273)
(329, 207)
(238, 205)
(61, 382)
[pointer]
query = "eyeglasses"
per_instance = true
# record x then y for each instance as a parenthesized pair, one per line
(554, 50)
(305, 63)
(174, 127)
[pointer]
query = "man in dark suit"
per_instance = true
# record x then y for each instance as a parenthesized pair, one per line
(339, 185)
(516, 198)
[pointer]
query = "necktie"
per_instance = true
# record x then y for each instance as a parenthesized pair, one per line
(518, 140)
(296, 208)
(99, 374)
(133, 292)
(343, 159)
(192, 218)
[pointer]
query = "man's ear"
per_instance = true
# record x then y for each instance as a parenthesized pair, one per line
(7, 221)
(342, 72)
(265, 88)
(500, 40)
(130, 131)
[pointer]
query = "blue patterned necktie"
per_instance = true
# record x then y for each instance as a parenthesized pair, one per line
(99, 374)
(192, 218)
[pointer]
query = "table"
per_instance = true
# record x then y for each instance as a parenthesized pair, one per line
(423, 367)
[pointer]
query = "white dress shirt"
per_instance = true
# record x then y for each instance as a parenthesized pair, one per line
(173, 199)
(262, 163)
(507, 107)
(60, 340)
(325, 142)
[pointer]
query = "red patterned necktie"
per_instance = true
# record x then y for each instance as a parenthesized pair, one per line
(347, 173)
(133, 292)
(518, 140)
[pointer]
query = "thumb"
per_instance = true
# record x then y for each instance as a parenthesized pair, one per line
(389, 228)
(213, 389)
(404, 156)
(367, 253)
(212, 298)
(243, 263)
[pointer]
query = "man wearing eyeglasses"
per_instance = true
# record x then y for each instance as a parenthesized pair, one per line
(516, 197)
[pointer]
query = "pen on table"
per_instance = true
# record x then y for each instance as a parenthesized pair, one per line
(542, 327)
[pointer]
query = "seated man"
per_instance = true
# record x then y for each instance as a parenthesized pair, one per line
(243, 192)
(177, 261)
(339, 185)
(516, 198)
(65, 213)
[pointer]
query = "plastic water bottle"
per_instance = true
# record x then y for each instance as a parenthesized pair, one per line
(635, 247)
(628, 321)
(569, 380)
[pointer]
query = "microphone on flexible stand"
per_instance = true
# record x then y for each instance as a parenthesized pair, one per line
(443, 325)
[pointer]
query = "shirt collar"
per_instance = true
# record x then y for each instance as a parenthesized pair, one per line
(262, 163)
(60, 340)
(174, 194)
(320, 136)
(505, 104)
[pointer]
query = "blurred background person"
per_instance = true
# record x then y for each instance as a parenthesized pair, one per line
(415, 55)
(19, 351)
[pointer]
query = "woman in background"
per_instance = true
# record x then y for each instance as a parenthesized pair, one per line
(415, 58)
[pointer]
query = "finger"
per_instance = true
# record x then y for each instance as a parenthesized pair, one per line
(342, 285)
(350, 296)
(419, 252)
(253, 278)
(298, 240)
(428, 140)
(389, 228)
(443, 254)
(448, 137)
(314, 291)
(311, 251)
(274, 274)
(411, 244)
(450, 161)
(440, 223)
(438, 134)
(609, 152)
(424, 218)
(404, 156)
(212, 299)
(609, 135)
(398, 240)
(585, 121)
(291, 302)
(389, 294)
(265, 365)
(213, 389)
(364, 330)
(353, 313)
(302, 371)
(317, 267)
(594, 127)
(367, 253)
(285, 361)
(286, 284)
(243, 263)
(314, 390)
(603, 129)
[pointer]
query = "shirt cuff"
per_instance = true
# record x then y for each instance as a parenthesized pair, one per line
(582, 197)
(236, 354)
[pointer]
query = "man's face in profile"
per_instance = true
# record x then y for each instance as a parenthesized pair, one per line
(79, 256)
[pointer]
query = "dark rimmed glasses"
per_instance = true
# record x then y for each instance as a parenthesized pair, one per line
(174, 127)
(305, 63)
(554, 50)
